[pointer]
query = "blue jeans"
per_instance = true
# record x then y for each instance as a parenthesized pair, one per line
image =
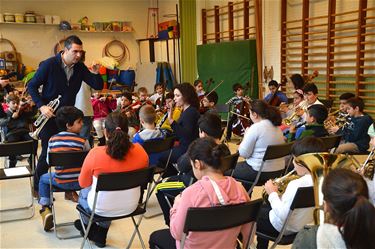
(44, 188)
(82, 200)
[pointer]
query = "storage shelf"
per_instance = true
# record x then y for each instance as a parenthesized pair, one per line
(26, 23)
(84, 31)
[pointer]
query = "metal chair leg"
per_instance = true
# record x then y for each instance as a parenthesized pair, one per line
(86, 231)
(56, 225)
(136, 231)
(30, 207)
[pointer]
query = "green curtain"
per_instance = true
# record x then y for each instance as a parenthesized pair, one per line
(188, 34)
(232, 62)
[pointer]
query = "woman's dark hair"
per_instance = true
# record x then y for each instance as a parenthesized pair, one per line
(118, 143)
(66, 115)
(308, 144)
(297, 81)
(207, 151)
(346, 195)
(189, 94)
(266, 111)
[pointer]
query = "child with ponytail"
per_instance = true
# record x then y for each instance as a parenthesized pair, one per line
(205, 157)
(119, 155)
(351, 215)
(258, 136)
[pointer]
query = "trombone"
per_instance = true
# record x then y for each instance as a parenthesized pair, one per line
(42, 120)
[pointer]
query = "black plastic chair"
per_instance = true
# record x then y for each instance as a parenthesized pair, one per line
(67, 160)
(230, 162)
(224, 111)
(115, 182)
(220, 217)
(328, 103)
(331, 142)
(272, 152)
(304, 198)
(158, 146)
(16, 149)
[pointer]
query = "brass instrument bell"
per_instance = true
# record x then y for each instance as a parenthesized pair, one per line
(320, 164)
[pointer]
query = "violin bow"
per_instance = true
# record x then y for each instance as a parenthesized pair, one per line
(221, 82)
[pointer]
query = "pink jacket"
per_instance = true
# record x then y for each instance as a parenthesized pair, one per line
(202, 194)
(103, 108)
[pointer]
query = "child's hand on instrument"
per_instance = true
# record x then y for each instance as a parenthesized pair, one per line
(292, 129)
(270, 187)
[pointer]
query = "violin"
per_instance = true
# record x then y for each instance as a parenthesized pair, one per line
(160, 103)
(243, 120)
(203, 109)
(275, 100)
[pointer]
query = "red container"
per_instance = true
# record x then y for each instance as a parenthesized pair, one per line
(102, 70)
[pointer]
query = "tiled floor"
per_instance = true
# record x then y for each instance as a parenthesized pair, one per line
(29, 233)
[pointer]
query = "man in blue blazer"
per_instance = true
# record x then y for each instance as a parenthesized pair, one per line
(59, 75)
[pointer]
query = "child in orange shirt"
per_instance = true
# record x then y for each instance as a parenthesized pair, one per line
(119, 155)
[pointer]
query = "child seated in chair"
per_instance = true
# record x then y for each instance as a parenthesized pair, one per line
(315, 116)
(368, 175)
(162, 120)
(16, 123)
(205, 157)
(147, 116)
(119, 155)
(208, 103)
(351, 215)
(338, 119)
(69, 121)
(355, 137)
(274, 213)
(126, 108)
(275, 97)
(209, 126)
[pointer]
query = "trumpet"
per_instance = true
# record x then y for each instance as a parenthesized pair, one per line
(282, 183)
(368, 167)
(294, 116)
(42, 120)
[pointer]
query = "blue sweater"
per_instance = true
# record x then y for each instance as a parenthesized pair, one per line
(282, 97)
(356, 132)
(52, 76)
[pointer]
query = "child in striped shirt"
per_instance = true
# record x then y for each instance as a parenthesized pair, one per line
(69, 121)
